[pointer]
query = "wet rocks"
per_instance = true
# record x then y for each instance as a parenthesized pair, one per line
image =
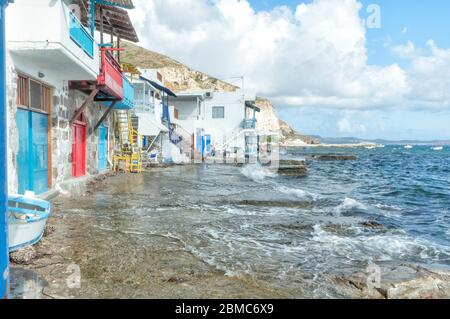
(334, 157)
(24, 256)
(372, 224)
(48, 230)
(398, 282)
(293, 168)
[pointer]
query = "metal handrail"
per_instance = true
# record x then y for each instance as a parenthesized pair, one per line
(80, 35)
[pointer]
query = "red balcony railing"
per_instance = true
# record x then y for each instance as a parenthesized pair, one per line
(110, 79)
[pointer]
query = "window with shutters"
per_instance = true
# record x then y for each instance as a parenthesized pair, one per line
(33, 95)
(23, 91)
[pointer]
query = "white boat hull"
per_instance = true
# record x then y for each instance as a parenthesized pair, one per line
(23, 233)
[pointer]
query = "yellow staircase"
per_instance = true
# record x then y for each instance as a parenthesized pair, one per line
(129, 150)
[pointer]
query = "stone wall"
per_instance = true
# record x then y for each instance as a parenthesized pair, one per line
(64, 104)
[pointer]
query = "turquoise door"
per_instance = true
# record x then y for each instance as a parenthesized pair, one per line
(32, 158)
(102, 147)
(206, 146)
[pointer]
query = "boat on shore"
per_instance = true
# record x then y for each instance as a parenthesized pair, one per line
(26, 221)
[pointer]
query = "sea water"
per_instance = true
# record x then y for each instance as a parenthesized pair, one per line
(389, 207)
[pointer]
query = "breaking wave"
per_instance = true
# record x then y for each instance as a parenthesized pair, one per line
(349, 205)
(299, 193)
(380, 247)
(257, 173)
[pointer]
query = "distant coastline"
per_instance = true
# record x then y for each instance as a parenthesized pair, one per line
(301, 143)
(352, 142)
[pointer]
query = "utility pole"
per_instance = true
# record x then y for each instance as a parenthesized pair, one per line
(4, 256)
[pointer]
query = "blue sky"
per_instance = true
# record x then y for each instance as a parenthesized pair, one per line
(402, 21)
(326, 73)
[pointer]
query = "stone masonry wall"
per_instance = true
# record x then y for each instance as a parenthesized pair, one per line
(64, 104)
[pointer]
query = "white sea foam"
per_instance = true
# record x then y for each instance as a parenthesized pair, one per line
(389, 210)
(347, 205)
(299, 193)
(380, 247)
(256, 172)
(388, 207)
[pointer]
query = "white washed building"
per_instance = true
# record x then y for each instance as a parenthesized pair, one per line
(219, 121)
(58, 134)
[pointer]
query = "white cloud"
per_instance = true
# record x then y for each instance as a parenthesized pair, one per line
(347, 126)
(428, 74)
(312, 56)
(406, 51)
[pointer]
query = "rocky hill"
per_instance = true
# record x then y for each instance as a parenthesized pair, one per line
(179, 77)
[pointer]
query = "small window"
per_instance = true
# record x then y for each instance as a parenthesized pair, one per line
(46, 98)
(35, 95)
(22, 91)
(218, 112)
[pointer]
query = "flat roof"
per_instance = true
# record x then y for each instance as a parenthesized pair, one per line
(191, 94)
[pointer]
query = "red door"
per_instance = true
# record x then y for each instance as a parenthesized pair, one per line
(79, 147)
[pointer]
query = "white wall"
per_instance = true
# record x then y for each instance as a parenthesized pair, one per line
(38, 38)
(187, 112)
(151, 74)
(222, 130)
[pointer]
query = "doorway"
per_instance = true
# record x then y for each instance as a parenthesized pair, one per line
(79, 147)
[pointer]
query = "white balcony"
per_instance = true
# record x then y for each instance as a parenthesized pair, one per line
(45, 38)
(143, 98)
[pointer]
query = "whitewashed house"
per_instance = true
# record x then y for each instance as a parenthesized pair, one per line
(163, 138)
(221, 123)
(148, 109)
(57, 79)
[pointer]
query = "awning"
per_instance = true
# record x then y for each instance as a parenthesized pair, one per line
(158, 86)
(115, 19)
(148, 126)
(252, 106)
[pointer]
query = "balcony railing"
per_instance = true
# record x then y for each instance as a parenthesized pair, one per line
(249, 124)
(128, 96)
(111, 78)
(143, 104)
(81, 36)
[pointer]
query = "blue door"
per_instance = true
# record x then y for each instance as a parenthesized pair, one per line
(102, 147)
(32, 158)
(206, 144)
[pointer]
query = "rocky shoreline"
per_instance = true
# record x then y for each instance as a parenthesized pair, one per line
(164, 269)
